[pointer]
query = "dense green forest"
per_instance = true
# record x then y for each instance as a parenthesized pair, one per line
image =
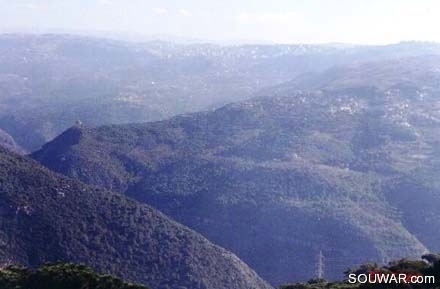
(45, 217)
(60, 276)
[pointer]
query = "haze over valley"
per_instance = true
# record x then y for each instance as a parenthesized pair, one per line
(175, 160)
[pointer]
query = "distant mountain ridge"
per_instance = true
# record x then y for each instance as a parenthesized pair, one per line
(48, 82)
(46, 218)
(421, 72)
(349, 170)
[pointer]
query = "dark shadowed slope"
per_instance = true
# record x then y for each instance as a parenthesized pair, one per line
(47, 217)
(349, 172)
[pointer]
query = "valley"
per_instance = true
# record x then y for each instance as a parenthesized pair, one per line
(50, 81)
(320, 170)
(200, 165)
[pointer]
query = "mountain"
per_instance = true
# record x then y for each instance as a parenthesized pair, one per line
(349, 171)
(8, 142)
(50, 81)
(242, 177)
(407, 73)
(46, 217)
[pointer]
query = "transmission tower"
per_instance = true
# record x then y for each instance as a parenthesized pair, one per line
(320, 265)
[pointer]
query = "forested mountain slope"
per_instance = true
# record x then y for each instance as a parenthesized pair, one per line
(46, 217)
(276, 179)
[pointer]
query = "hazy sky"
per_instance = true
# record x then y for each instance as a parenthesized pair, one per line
(284, 21)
